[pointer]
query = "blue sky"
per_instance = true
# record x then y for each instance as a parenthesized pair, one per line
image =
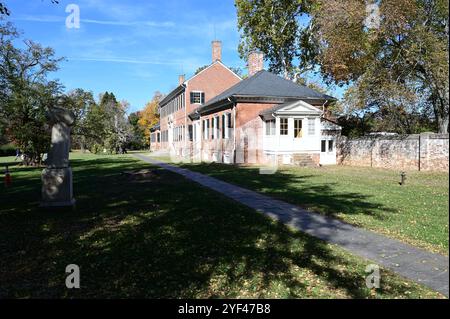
(132, 48)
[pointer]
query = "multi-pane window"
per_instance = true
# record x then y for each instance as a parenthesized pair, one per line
(283, 126)
(197, 97)
(270, 127)
(298, 133)
(178, 133)
(323, 146)
(176, 104)
(311, 126)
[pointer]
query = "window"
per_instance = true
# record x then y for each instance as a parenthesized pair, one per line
(298, 133)
(191, 133)
(158, 137)
(311, 126)
(323, 147)
(206, 135)
(223, 126)
(270, 127)
(197, 97)
(229, 124)
(216, 128)
(330, 146)
(203, 128)
(283, 126)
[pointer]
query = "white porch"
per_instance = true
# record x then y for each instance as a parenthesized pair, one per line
(297, 128)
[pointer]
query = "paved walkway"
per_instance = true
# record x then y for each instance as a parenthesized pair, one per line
(416, 264)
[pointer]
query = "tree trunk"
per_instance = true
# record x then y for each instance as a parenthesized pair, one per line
(441, 109)
(443, 123)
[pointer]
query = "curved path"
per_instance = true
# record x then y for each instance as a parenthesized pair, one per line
(421, 266)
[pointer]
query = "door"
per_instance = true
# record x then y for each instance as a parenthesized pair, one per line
(328, 151)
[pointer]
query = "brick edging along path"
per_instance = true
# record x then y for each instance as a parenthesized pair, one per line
(421, 266)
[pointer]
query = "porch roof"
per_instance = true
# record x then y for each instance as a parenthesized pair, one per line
(289, 108)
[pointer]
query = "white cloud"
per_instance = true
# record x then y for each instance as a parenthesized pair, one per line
(58, 19)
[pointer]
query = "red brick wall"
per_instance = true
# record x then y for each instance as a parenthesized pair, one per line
(212, 81)
(249, 132)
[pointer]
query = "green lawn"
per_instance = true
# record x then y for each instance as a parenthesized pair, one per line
(417, 213)
(159, 235)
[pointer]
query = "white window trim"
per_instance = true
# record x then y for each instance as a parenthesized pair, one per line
(200, 103)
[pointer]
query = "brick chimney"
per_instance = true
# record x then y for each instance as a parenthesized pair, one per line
(181, 79)
(255, 62)
(216, 51)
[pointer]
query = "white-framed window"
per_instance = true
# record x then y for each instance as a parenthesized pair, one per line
(224, 125)
(270, 127)
(197, 97)
(298, 128)
(206, 129)
(228, 125)
(311, 126)
(284, 126)
(216, 127)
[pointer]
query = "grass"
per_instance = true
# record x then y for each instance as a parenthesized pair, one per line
(416, 213)
(162, 236)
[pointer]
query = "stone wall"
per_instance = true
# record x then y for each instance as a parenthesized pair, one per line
(427, 151)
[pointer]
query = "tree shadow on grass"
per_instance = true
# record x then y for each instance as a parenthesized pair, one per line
(163, 237)
(297, 189)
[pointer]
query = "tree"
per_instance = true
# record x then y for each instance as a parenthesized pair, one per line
(405, 53)
(80, 102)
(107, 125)
(149, 116)
(25, 93)
(138, 140)
(272, 27)
(5, 11)
(405, 45)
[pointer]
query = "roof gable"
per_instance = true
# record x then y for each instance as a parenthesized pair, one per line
(182, 86)
(207, 68)
(297, 107)
(300, 108)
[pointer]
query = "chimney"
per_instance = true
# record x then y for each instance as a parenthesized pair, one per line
(216, 51)
(255, 62)
(181, 79)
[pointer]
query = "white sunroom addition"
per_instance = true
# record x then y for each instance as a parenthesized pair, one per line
(297, 128)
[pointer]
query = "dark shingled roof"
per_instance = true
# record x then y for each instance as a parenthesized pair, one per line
(266, 84)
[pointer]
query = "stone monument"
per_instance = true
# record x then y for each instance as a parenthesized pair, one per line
(57, 190)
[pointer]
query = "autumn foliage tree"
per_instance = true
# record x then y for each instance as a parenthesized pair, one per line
(149, 116)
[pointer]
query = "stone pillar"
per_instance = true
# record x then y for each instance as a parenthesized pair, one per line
(57, 189)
